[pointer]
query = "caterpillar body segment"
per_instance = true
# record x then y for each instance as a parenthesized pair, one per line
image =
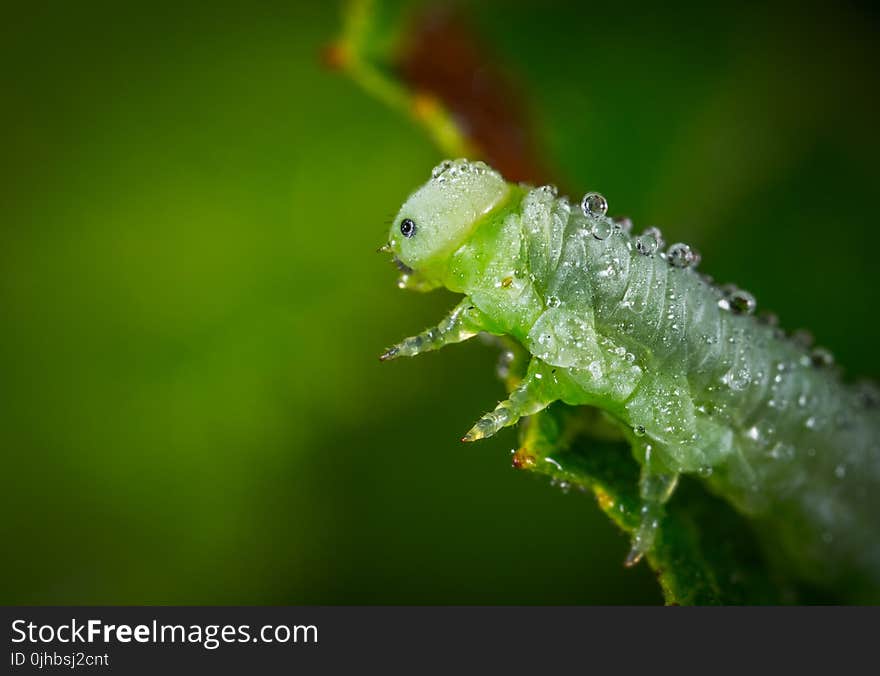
(696, 383)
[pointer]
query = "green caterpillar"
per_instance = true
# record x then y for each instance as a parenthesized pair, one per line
(689, 377)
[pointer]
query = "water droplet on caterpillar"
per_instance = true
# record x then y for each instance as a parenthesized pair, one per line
(772, 321)
(441, 168)
(602, 229)
(681, 255)
(802, 338)
(553, 301)
(767, 319)
(868, 394)
(742, 302)
(639, 430)
(650, 241)
(594, 204)
(705, 471)
(624, 223)
(821, 357)
(549, 189)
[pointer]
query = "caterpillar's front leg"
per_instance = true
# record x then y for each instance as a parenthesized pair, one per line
(463, 322)
(536, 392)
(656, 485)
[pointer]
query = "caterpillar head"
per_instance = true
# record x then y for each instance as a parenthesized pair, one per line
(438, 218)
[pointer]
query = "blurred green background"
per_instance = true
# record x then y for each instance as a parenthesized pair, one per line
(192, 407)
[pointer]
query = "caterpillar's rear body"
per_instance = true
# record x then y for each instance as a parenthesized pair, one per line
(693, 380)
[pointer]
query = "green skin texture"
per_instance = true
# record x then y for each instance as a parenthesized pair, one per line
(694, 387)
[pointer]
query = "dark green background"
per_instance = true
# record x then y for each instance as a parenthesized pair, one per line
(192, 409)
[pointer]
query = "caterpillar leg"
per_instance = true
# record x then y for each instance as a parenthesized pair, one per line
(656, 485)
(534, 394)
(463, 322)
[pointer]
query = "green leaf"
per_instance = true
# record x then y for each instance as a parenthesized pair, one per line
(705, 552)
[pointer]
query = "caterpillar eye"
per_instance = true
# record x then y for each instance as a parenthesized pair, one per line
(407, 228)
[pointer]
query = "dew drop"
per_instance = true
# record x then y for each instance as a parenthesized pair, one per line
(742, 302)
(549, 189)
(681, 255)
(802, 338)
(639, 430)
(624, 223)
(602, 229)
(594, 204)
(649, 242)
(821, 357)
(553, 301)
(868, 394)
(768, 319)
(441, 168)
(705, 471)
